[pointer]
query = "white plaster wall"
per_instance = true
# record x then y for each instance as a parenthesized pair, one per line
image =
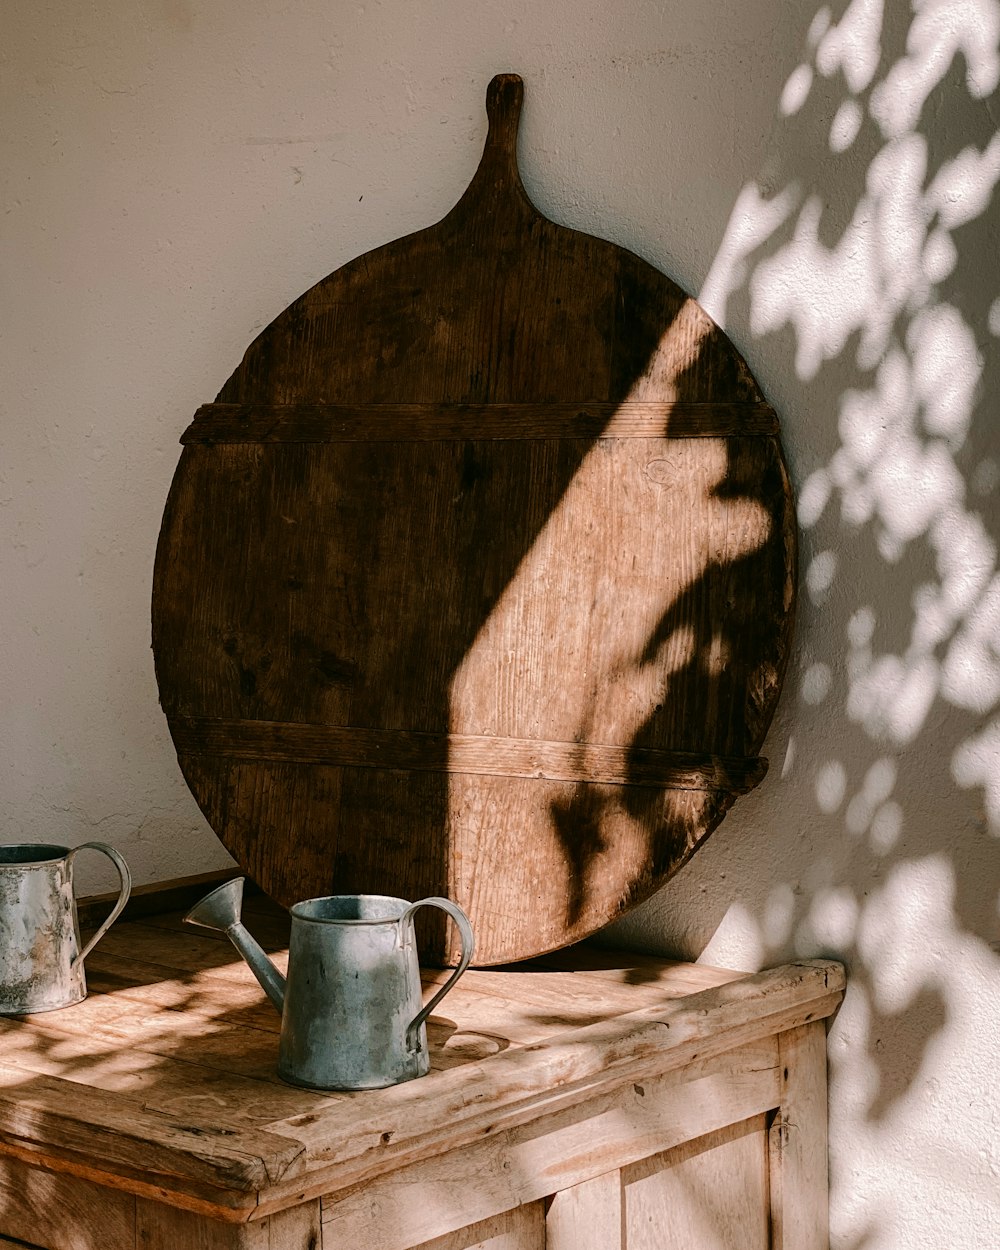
(174, 172)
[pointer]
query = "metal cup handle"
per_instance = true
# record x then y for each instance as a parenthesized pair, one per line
(126, 890)
(468, 947)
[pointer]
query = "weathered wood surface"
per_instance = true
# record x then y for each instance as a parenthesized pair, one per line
(47, 1209)
(162, 1084)
(558, 1152)
(711, 1193)
(58, 1211)
(798, 1139)
(478, 577)
(522, 1228)
(587, 1216)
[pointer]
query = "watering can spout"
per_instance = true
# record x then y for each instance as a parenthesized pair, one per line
(220, 910)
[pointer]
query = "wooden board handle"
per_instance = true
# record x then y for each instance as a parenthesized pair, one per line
(504, 98)
(497, 180)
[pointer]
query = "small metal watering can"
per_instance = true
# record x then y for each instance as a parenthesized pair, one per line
(41, 963)
(351, 1014)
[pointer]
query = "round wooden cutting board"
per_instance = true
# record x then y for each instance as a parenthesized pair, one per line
(477, 579)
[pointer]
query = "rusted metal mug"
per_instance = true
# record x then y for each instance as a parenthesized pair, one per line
(351, 1013)
(41, 963)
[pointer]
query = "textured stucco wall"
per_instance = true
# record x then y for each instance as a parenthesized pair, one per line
(175, 172)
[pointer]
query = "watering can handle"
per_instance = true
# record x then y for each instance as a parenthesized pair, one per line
(468, 946)
(126, 890)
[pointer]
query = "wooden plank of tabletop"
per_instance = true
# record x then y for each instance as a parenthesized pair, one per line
(210, 1025)
(188, 951)
(523, 1007)
(233, 995)
(633, 968)
(164, 1084)
(165, 942)
(402, 1123)
(109, 1024)
(52, 1118)
(225, 997)
(576, 990)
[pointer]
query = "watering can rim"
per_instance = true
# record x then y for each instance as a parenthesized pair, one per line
(60, 853)
(296, 913)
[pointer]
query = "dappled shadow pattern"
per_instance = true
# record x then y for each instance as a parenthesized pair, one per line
(859, 258)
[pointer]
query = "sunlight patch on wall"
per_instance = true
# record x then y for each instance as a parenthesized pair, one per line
(971, 672)
(824, 294)
(831, 786)
(817, 681)
(728, 946)
(874, 288)
(940, 31)
(945, 372)
(756, 216)
(869, 258)
(891, 695)
(965, 556)
(788, 763)
(852, 46)
(846, 125)
(878, 785)
(820, 574)
(904, 926)
(871, 277)
(975, 763)
(886, 827)
(832, 920)
(796, 89)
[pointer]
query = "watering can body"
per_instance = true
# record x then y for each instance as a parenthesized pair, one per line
(41, 955)
(351, 1011)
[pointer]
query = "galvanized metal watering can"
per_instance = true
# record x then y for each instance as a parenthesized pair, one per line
(41, 963)
(351, 1013)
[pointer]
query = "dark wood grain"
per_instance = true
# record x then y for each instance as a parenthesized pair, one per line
(357, 747)
(392, 423)
(478, 577)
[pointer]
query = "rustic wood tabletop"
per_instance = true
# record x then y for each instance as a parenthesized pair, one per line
(156, 1100)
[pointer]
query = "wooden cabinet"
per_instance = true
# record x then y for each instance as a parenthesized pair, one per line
(586, 1101)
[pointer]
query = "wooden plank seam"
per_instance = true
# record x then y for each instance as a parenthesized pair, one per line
(363, 422)
(361, 747)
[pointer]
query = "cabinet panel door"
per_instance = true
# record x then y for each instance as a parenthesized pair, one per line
(520, 1229)
(709, 1194)
(54, 1209)
(587, 1216)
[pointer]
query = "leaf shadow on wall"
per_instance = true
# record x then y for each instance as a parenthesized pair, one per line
(856, 263)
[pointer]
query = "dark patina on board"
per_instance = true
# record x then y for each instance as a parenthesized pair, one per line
(477, 579)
